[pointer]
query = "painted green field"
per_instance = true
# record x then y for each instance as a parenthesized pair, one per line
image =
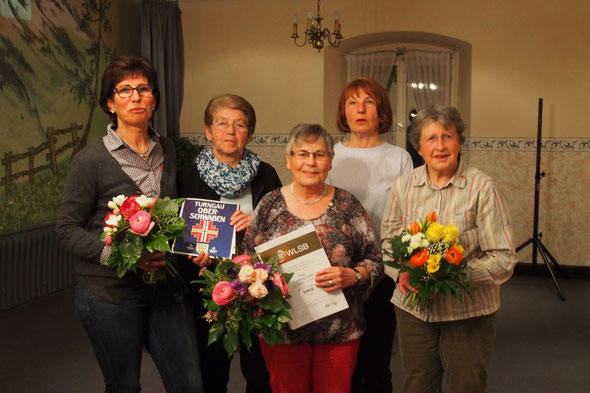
(28, 206)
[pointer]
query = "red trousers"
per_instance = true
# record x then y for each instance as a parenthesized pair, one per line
(316, 368)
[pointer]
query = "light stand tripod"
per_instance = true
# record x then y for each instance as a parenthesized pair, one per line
(535, 240)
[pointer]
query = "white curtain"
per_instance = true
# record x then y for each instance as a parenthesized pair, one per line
(375, 65)
(429, 76)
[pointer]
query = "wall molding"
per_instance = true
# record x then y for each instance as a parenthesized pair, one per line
(528, 144)
(261, 140)
(471, 144)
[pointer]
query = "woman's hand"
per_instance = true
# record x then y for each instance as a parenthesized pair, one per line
(240, 220)
(151, 262)
(334, 278)
(404, 283)
(201, 260)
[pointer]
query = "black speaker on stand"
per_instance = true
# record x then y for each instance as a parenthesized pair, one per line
(535, 240)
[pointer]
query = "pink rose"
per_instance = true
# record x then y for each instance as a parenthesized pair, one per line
(129, 207)
(258, 290)
(108, 239)
(141, 223)
(242, 260)
(223, 293)
(280, 282)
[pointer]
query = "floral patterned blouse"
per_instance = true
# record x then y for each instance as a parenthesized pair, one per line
(348, 239)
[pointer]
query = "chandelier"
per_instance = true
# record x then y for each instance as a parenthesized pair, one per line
(315, 34)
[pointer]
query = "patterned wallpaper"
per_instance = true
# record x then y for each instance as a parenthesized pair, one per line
(484, 144)
(527, 144)
(511, 162)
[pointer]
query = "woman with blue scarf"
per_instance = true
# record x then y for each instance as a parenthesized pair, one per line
(229, 173)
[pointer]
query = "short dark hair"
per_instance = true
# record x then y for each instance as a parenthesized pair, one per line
(121, 68)
(373, 89)
(231, 101)
(445, 115)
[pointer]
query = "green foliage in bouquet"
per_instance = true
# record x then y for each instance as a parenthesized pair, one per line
(137, 223)
(245, 299)
(433, 257)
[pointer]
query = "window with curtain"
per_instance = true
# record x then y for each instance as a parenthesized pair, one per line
(429, 75)
(414, 79)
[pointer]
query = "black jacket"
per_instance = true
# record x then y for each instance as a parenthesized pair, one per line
(190, 185)
(95, 177)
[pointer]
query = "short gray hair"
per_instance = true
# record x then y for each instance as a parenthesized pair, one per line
(231, 101)
(309, 132)
(447, 116)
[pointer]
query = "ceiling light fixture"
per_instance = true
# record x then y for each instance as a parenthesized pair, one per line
(315, 34)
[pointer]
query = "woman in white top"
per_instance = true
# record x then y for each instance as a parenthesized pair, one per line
(366, 166)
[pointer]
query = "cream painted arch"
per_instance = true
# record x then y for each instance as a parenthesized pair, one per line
(335, 65)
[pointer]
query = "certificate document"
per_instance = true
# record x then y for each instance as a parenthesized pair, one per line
(301, 253)
(207, 228)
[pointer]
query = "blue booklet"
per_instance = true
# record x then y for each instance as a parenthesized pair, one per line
(207, 228)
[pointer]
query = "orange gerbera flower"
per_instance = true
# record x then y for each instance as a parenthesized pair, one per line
(419, 258)
(454, 256)
(431, 217)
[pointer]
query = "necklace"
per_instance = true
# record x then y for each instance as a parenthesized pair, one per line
(309, 202)
(143, 155)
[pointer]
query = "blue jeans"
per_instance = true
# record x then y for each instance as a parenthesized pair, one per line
(156, 317)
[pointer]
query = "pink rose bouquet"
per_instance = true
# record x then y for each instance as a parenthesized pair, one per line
(136, 223)
(244, 297)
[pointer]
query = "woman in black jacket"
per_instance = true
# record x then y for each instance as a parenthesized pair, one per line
(227, 172)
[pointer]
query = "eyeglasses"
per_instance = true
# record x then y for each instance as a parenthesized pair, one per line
(126, 91)
(433, 139)
(238, 126)
(318, 155)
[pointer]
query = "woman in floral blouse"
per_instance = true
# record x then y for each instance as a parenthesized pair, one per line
(319, 356)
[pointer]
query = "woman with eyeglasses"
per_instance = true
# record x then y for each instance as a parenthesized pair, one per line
(122, 316)
(231, 173)
(366, 166)
(319, 356)
(452, 338)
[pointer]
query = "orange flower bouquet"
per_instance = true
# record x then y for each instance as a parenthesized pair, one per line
(430, 252)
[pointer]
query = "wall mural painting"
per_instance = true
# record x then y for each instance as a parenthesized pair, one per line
(52, 55)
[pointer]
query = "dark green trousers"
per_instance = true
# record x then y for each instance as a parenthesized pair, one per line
(459, 350)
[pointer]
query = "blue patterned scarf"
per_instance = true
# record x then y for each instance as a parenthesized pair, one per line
(222, 178)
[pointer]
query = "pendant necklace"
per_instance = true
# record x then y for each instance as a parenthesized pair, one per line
(309, 202)
(142, 155)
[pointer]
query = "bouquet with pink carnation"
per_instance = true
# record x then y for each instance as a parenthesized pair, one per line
(136, 223)
(244, 297)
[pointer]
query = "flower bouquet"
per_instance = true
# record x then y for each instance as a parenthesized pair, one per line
(136, 223)
(244, 297)
(430, 253)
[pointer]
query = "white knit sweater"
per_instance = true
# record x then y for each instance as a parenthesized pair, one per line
(368, 173)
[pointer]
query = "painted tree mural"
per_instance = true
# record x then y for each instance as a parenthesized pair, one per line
(52, 55)
(94, 13)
